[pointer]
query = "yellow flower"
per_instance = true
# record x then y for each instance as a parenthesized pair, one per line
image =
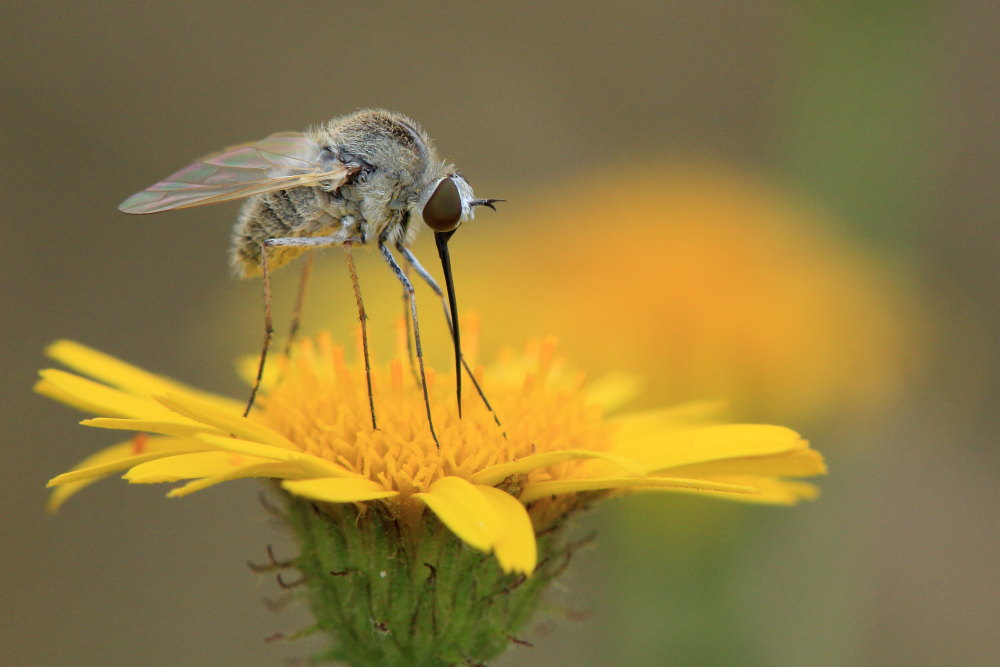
(561, 445)
(722, 284)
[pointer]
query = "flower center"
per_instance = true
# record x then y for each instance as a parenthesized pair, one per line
(321, 404)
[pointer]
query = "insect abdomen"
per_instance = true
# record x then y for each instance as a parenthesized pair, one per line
(282, 214)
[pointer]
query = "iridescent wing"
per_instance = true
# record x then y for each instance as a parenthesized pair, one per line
(281, 161)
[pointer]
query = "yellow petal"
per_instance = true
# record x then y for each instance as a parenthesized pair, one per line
(93, 397)
(801, 463)
(189, 466)
(465, 511)
(123, 456)
(516, 550)
(558, 487)
(109, 460)
(785, 492)
(498, 473)
(106, 368)
(232, 423)
(180, 428)
(311, 466)
(338, 489)
(713, 443)
(770, 491)
(268, 469)
(115, 372)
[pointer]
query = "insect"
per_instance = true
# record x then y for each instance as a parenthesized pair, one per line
(371, 176)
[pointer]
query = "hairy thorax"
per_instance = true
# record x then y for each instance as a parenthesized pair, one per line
(391, 163)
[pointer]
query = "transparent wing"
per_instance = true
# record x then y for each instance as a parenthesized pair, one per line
(281, 161)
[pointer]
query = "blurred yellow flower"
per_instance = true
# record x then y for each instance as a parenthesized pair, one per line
(709, 283)
(493, 487)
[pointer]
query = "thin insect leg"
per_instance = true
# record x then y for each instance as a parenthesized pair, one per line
(268, 328)
(363, 318)
(408, 286)
(409, 331)
(300, 298)
(313, 242)
(411, 259)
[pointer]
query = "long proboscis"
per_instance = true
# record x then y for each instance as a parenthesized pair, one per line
(441, 239)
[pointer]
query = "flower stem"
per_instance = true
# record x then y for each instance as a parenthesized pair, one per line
(387, 599)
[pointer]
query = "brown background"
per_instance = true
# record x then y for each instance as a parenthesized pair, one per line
(897, 563)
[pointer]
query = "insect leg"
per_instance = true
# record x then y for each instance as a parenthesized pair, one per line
(293, 329)
(408, 286)
(315, 242)
(268, 328)
(411, 259)
(363, 318)
(409, 330)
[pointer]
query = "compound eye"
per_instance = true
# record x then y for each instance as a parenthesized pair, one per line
(444, 208)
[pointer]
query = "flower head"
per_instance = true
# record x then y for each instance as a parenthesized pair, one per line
(357, 497)
(556, 449)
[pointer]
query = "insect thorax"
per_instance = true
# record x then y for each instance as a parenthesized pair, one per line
(393, 162)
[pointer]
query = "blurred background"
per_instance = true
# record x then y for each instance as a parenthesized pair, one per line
(787, 205)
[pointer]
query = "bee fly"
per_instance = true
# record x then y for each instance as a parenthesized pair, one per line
(368, 177)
